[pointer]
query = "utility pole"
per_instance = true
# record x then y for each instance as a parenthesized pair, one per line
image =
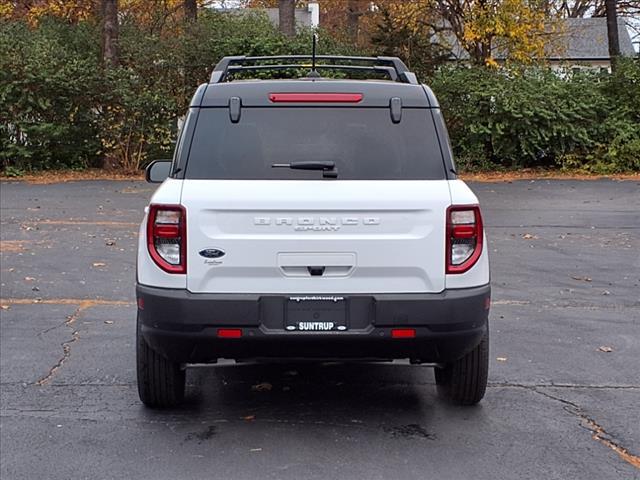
(612, 32)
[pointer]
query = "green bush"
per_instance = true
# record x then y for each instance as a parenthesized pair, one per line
(59, 109)
(525, 118)
(49, 81)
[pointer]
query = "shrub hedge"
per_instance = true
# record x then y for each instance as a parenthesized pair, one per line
(536, 117)
(58, 108)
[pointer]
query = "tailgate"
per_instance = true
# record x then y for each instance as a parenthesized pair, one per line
(316, 237)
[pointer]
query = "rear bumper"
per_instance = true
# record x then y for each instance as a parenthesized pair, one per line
(183, 326)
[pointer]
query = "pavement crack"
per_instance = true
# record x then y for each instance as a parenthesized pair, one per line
(562, 385)
(598, 432)
(66, 345)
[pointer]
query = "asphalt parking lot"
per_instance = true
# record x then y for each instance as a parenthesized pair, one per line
(564, 395)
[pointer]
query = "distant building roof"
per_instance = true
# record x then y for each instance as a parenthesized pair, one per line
(573, 39)
(586, 39)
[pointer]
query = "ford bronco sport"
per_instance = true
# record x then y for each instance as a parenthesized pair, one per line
(315, 218)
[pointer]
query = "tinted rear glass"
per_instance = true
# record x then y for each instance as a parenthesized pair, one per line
(363, 142)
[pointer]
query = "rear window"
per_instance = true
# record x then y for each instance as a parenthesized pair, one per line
(363, 142)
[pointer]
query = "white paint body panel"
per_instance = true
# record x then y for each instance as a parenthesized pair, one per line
(148, 272)
(370, 236)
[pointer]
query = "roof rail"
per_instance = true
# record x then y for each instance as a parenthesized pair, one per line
(392, 66)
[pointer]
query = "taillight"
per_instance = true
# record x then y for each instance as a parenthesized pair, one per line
(464, 237)
(167, 237)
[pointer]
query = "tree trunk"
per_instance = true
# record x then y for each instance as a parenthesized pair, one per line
(353, 18)
(109, 21)
(612, 32)
(190, 10)
(480, 52)
(109, 33)
(287, 17)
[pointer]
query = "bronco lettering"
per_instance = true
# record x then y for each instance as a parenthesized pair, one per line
(319, 224)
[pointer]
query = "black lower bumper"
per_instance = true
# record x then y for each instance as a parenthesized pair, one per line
(184, 326)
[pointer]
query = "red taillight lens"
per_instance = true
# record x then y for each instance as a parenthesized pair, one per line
(464, 237)
(167, 237)
(403, 333)
(315, 97)
(229, 332)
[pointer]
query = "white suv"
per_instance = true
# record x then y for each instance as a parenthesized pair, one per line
(312, 218)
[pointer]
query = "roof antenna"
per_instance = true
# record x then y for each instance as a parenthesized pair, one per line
(314, 73)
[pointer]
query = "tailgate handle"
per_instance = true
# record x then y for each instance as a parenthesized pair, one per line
(316, 271)
(235, 108)
(395, 105)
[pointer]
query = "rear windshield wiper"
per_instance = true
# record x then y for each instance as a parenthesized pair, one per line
(328, 167)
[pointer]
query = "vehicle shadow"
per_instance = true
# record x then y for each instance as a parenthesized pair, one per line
(397, 398)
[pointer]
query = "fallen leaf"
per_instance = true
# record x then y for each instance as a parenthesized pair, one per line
(582, 279)
(110, 243)
(605, 349)
(99, 264)
(501, 359)
(260, 387)
(528, 236)
(606, 292)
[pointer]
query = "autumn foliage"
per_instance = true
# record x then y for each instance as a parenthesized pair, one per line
(62, 106)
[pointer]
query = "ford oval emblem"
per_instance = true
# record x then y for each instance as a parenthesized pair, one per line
(211, 253)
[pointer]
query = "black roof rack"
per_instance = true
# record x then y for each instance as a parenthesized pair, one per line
(392, 66)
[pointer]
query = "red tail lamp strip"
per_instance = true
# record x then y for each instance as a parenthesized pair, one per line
(464, 231)
(315, 97)
(229, 332)
(403, 333)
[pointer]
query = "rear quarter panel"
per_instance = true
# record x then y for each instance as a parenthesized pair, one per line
(168, 193)
(477, 275)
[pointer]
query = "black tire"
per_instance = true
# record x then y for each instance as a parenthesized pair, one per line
(464, 381)
(161, 383)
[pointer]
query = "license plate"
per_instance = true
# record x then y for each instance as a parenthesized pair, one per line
(316, 314)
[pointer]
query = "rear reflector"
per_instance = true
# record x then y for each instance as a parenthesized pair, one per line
(403, 333)
(464, 231)
(315, 97)
(167, 231)
(229, 332)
